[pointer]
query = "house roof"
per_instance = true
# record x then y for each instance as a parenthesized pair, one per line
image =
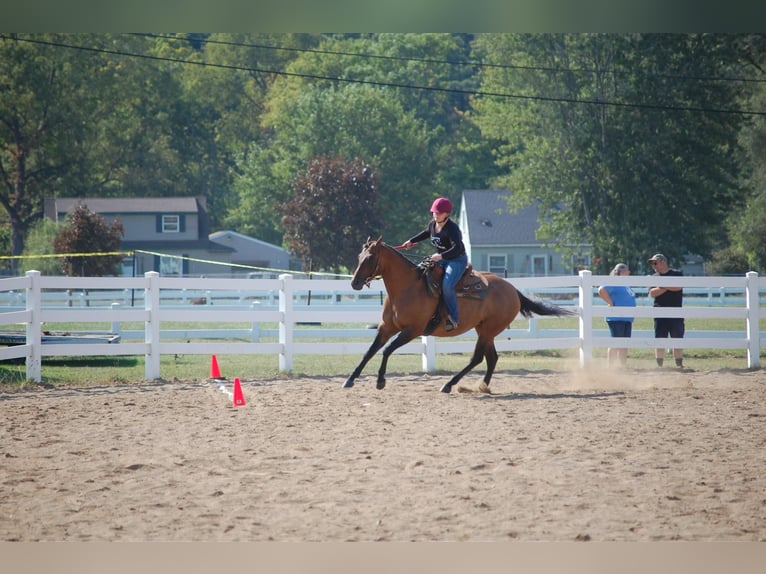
(489, 221)
(228, 235)
(201, 244)
(124, 205)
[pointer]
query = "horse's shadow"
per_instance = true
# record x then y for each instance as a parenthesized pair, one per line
(544, 396)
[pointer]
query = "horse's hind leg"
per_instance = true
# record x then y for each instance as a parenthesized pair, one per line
(478, 354)
(490, 355)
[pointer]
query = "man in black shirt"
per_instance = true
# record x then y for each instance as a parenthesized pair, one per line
(667, 297)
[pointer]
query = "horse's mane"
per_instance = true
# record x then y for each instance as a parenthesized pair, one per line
(399, 253)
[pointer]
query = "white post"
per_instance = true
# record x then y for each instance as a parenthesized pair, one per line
(152, 326)
(429, 353)
(255, 326)
(116, 326)
(34, 329)
(286, 323)
(753, 320)
(586, 317)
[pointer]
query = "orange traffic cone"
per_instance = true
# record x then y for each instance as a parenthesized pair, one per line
(215, 372)
(239, 398)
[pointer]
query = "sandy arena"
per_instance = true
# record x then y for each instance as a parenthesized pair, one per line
(636, 455)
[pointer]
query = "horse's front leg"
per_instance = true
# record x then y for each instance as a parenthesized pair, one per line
(401, 339)
(378, 342)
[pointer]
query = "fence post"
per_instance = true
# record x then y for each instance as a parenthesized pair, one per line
(752, 297)
(116, 325)
(255, 326)
(34, 329)
(152, 326)
(586, 317)
(286, 323)
(429, 353)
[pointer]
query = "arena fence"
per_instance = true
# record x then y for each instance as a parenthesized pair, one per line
(287, 316)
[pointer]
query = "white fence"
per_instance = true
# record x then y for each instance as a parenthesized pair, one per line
(298, 306)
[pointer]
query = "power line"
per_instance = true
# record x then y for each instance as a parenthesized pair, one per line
(479, 93)
(471, 63)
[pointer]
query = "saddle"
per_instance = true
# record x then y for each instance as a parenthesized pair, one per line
(472, 285)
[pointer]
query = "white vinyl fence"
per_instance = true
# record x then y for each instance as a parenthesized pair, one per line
(301, 310)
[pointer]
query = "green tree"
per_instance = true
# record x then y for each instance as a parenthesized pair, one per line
(334, 204)
(87, 232)
(40, 242)
(43, 125)
(645, 170)
(408, 117)
(224, 98)
(86, 115)
(747, 226)
(350, 121)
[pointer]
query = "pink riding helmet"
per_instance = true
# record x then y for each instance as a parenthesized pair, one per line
(441, 205)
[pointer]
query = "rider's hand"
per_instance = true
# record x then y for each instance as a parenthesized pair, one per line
(436, 257)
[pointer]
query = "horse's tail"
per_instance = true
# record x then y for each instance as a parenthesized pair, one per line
(539, 307)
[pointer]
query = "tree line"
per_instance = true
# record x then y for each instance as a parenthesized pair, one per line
(633, 143)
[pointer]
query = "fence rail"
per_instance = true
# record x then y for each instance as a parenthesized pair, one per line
(301, 308)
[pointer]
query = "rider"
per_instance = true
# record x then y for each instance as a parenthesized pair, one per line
(450, 253)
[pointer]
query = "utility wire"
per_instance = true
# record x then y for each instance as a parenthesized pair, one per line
(660, 107)
(471, 63)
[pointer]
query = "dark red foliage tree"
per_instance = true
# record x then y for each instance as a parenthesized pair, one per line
(88, 232)
(332, 212)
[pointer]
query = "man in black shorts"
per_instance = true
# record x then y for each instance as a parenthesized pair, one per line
(673, 327)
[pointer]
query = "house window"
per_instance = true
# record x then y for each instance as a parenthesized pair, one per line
(171, 224)
(171, 266)
(498, 264)
(539, 267)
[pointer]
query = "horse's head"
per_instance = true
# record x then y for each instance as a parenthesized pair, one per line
(367, 266)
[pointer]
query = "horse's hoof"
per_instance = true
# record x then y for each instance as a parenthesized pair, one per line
(348, 384)
(380, 385)
(483, 388)
(447, 388)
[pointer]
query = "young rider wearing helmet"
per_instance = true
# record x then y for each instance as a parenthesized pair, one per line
(450, 253)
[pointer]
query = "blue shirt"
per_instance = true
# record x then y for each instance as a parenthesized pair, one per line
(621, 296)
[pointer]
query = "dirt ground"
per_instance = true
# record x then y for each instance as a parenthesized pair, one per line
(600, 455)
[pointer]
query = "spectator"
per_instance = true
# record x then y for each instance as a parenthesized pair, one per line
(618, 296)
(667, 297)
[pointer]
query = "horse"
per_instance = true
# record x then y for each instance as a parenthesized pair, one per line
(412, 307)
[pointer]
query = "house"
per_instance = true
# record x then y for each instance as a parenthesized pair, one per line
(505, 243)
(171, 235)
(257, 258)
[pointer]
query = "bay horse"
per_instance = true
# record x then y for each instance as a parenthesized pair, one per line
(412, 308)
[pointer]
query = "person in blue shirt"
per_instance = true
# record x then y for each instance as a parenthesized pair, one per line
(446, 237)
(618, 296)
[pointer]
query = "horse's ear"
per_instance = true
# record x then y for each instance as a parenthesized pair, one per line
(378, 239)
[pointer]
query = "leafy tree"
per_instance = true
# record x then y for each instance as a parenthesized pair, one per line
(40, 242)
(351, 121)
(224, 100)
(627, 179)
(747, 226)
(85, 123)
(334, 204)
(43, 124)
(421, 142)
(87, 232)
(727, 261)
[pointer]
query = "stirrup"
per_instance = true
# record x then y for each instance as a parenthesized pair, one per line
(450, 324)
